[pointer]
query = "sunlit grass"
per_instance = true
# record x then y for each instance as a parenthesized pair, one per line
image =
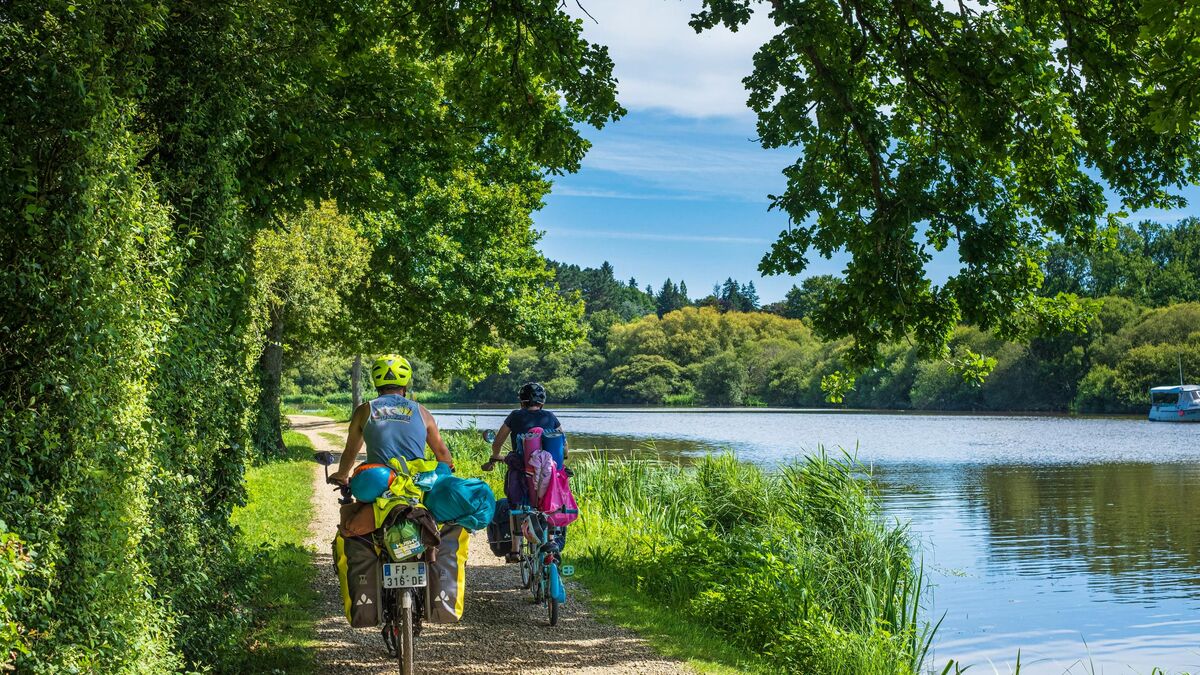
(665, 628)
(273, 528)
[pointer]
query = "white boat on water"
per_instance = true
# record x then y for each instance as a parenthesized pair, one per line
(1179, 403)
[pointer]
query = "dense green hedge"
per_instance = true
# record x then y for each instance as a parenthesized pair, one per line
(145, 148)
(125, 342)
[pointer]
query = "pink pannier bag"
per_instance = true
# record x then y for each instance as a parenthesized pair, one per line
(558, 496)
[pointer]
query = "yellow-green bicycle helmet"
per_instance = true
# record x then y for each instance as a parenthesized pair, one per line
(391, 369)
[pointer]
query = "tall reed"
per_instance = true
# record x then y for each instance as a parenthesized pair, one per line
(795, 564)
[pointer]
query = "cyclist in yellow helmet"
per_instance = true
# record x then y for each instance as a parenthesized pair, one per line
(391, 425)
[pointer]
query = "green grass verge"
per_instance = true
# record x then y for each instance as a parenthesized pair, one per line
(274, 526)
(337, 413)
(616, 601)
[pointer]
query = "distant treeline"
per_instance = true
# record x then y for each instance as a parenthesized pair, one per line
(660, 347)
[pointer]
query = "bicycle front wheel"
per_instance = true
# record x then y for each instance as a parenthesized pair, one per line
(404, 646)
(551, 609)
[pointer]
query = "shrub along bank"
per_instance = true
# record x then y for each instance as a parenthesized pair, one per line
(699, 355)
(794, 567)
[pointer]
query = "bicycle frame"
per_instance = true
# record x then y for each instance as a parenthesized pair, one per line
(540, 559)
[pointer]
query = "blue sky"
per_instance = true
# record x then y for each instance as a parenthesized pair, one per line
(678, 188)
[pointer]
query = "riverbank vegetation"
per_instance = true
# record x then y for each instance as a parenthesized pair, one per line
(698, 356)
(793, 569)
(1144, 295)
(796, 565)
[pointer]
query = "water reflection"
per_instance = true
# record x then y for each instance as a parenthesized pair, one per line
(1135, 523)
(618, 447)
(1046, 558)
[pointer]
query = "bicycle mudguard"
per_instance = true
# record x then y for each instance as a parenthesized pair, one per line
(557, 590)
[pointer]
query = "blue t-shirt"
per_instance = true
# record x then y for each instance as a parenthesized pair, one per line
(521, 421)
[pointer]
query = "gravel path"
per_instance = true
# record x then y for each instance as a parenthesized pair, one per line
(500, 632)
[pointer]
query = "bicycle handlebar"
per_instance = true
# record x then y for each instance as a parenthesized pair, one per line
(340, 487)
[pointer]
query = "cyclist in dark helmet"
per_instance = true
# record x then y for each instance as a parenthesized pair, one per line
(531, 414)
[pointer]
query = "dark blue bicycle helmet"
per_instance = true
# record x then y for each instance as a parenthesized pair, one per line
(532, 393)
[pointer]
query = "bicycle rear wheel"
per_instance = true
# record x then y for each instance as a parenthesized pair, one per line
(526, 565)
(404, 620)
(552, 609)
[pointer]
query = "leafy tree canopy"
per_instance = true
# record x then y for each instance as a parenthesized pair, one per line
(601, 291)
(803, 300)
(1152, 263)
(435, 127)
(992, 126)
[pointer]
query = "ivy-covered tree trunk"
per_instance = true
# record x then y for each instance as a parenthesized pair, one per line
(268, 430)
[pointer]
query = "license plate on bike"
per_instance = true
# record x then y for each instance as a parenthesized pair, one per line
(404, 575)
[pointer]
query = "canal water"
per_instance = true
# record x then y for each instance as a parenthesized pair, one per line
(1073, 540)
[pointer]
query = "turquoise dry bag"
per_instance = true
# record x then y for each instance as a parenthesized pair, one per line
(468, 502)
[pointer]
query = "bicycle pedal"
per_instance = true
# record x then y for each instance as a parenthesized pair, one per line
(568, 570)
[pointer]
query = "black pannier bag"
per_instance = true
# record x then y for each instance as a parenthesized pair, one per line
(499, 531)
(360, 575)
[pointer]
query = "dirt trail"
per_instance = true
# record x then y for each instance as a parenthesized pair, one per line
(501, 630)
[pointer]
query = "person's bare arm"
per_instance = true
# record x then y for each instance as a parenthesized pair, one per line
(497, 446)
(433, 438)
(354, 443)
(499, 441)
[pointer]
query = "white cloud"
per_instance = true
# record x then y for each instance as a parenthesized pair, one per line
(666, 164)
(662, 64)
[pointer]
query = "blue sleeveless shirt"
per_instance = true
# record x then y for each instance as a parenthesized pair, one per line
(395, 428)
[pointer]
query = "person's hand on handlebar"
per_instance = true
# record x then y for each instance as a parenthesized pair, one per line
(338, 478)
(490, 464)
